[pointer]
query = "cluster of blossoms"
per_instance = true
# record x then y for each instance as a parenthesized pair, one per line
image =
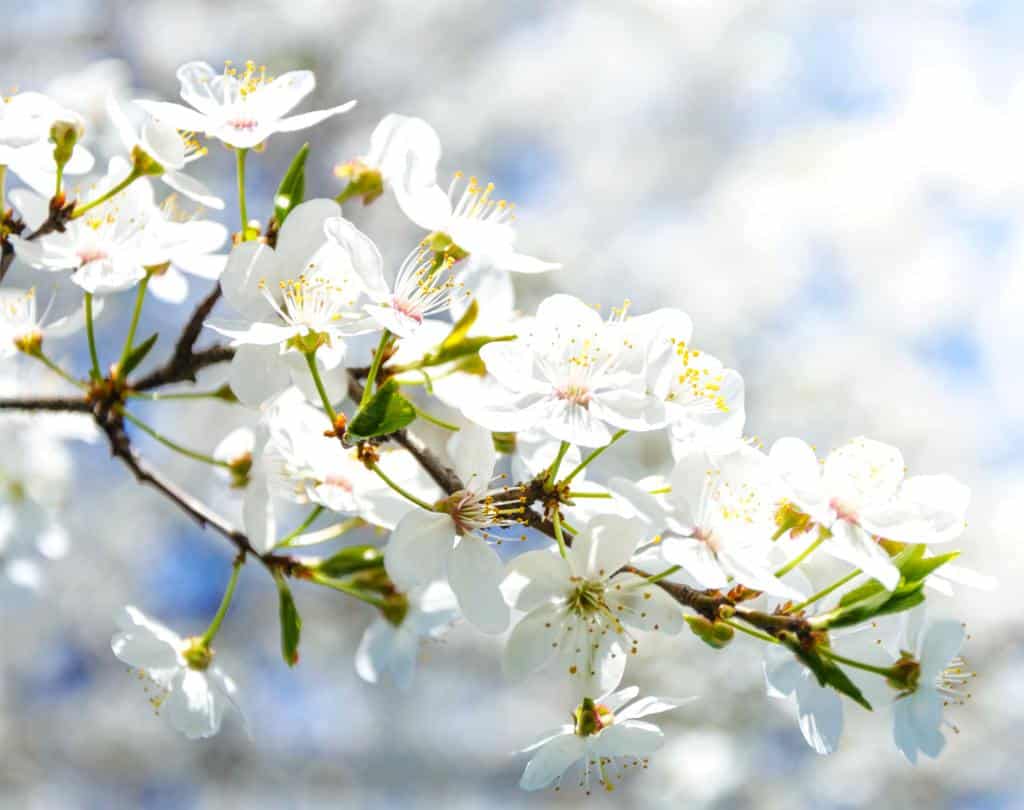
(723, 540)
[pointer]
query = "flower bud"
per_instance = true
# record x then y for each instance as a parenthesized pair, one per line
(714, 634)
(64, 135)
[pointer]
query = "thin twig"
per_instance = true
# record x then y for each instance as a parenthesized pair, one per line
(45, 404)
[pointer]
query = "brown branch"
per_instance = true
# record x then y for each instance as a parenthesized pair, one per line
(45, 404)
(112, 425)
(186, 362)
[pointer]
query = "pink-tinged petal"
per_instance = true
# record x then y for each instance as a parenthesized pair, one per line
(475, 573)
(418, 549)
(605, 546)
(552, 760)
(696, 558)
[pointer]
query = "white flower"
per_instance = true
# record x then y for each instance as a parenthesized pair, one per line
(193, 697)
(20, 320)
(474, 223)
(567, 375)
(25, 148)
(305, 285)
(703, 399)
(294, 461)
(168, 147)
(719, 518)
(404, 153)
(391, 649)
(581, 609)
(452, 544)
(918, 713)
(860, 493)
(110, 247)
(190, 245)
(422, 287)
(606, 734)
(240, 109)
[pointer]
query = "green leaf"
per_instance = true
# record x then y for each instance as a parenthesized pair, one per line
(293, 186)
(828, 672)
(917, 569)
(291, 623)
(351, 560)
(137, 355)
(462, 327)
(386, 412)
(466, 347)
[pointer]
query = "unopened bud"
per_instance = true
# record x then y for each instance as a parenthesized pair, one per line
(64, 135)
(714, 634)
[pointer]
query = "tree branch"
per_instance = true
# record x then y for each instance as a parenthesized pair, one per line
(45, 404)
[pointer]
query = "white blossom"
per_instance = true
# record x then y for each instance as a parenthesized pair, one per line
(582, 611)
(193, 698)
(242, 109)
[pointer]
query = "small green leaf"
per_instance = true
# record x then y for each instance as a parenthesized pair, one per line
(351, 560)
(137, 355)
(920, 567)
(293, 186)
(467, 347)
(291, 623)
(462, 327)
(828, 672)
(386, 412)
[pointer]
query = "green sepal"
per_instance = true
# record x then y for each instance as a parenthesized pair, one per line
(137, 355)
(291, 622)
(826, 671)
(350, 561)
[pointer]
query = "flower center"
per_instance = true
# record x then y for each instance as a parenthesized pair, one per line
(588, 598)
(592, 717)
(87, 255)
(574, 393)
(407, 308)
(243, 124)
(312, 301)
(844, 510)
(708, 538)
(335, 480)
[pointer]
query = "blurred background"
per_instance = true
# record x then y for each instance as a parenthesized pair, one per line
(833, 190)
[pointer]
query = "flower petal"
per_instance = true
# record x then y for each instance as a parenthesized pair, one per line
(604, 546)
(475, 573)
(418, 548)
(552, 760)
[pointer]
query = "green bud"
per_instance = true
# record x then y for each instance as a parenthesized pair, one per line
(64, 135)
(504, 442)
(714, 634)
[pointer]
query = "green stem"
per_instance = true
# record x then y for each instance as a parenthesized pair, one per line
(573, 495)
(344, 587)
(131, 178)
(557, 520)
(750, 632)
(839, 583)
(288, 538)
(407, 495)
(326, 400)
(885, 672)
(549, 483)
(434, 420)
(130, 337)
(225, 603)
(60, 179)
(799, 558)
(666, 573)
(156, 396)
(171, 444)
(91, 335)
(374, 368)
(46, 361)
(242, 211)
(593, 455)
